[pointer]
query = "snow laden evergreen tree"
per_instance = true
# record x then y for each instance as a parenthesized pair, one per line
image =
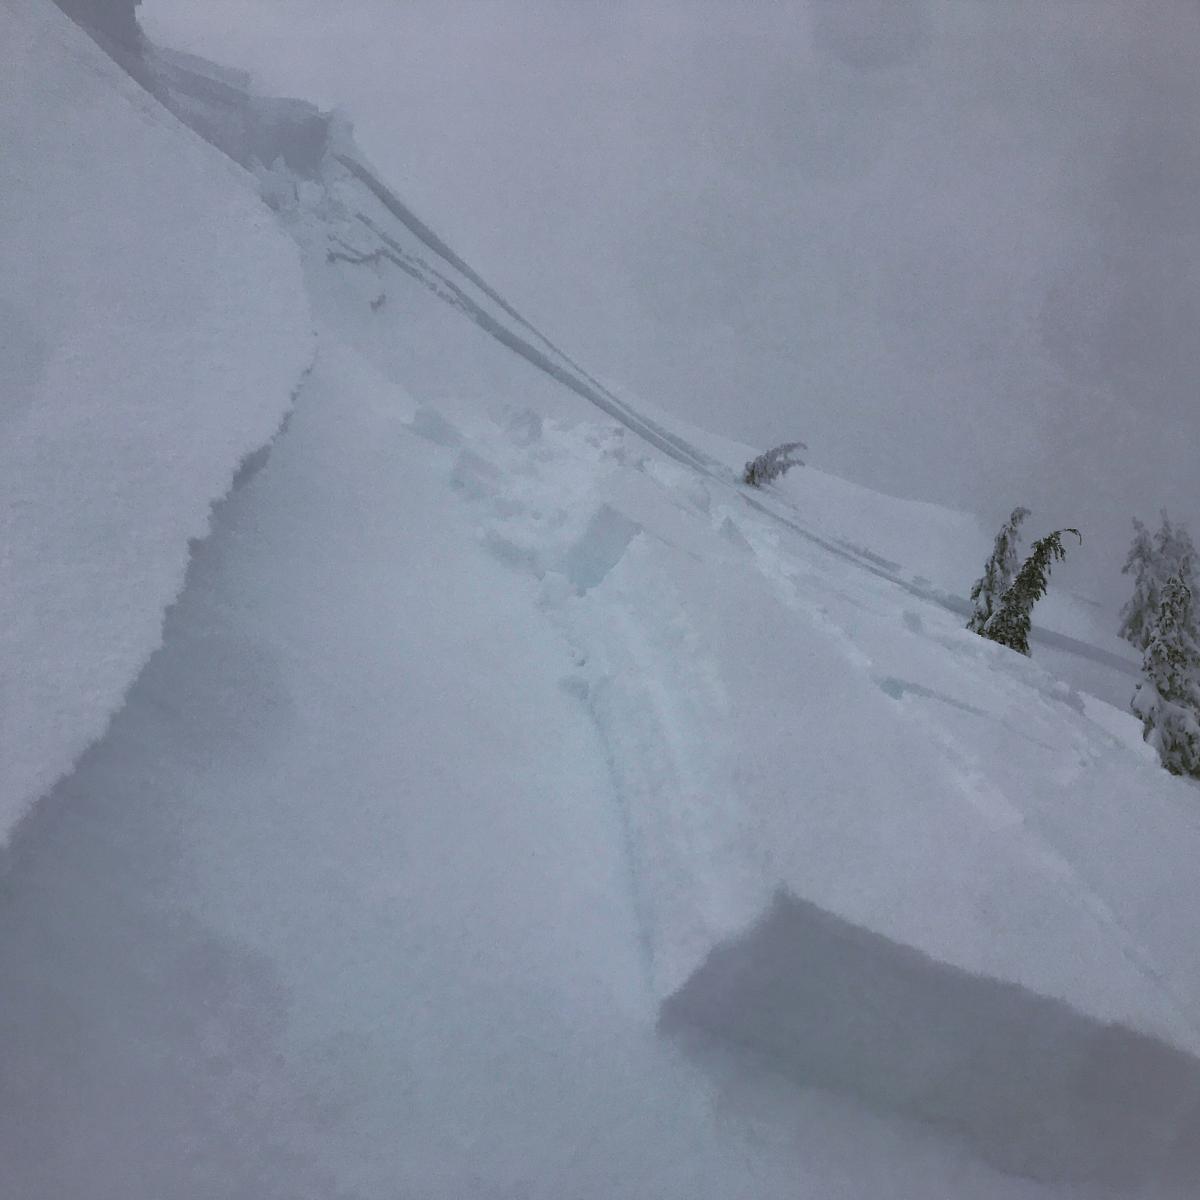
(1173, 544)
(997, 574)
(773, 464)
(1151, 561)
(1139, 611)
(1176, 556)
(1011, 621)
(1168, 698)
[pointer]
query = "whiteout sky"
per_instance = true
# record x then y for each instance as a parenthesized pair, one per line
(952, 244)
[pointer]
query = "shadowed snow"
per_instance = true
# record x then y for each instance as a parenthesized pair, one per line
(1034, 1086)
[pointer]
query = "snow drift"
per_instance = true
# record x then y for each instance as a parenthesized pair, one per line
(518, 806)
(155, 329)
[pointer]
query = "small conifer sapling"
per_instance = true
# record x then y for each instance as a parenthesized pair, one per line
(774, 463)
(1011, 622)
(997, 574)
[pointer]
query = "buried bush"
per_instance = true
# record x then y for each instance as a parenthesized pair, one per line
(774, 463)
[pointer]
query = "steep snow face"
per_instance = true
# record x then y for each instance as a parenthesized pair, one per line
(155, 328)
(518, 806)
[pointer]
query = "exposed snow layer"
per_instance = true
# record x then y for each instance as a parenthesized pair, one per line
(154, 329)
(519, 807)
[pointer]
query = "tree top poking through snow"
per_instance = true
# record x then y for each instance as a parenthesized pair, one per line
(1012, 621)
(998, 573)
(773, 464)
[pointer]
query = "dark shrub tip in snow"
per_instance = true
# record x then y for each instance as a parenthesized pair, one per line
(773, 464)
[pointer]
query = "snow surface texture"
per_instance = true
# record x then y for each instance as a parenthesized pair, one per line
(154, 330)
(518, 807)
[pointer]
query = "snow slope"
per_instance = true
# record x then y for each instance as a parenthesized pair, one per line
(155, 329)
(518, 806)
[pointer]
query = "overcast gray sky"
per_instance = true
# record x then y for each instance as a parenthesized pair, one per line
(952, 244)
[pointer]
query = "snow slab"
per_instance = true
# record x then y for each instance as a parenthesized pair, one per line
(155, 328)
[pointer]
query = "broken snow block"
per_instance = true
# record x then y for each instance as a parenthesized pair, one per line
(429, 423)
(524, 426)
(1033, 1086)
(476, 477)
(513, 553)
(599, 548)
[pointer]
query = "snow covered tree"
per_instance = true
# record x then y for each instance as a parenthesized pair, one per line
(1011, 621)
(1150, 561)
(1139, 611)
(997, 574)
(1172, 543)
(1177, 556)
(773, 464)
(1168, 698)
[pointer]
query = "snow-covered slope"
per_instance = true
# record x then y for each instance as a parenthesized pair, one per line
(155, 329)
(520, 807)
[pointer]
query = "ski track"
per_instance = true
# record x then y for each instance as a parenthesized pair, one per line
(646, 685)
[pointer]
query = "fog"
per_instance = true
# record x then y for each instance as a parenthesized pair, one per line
(951, 244)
